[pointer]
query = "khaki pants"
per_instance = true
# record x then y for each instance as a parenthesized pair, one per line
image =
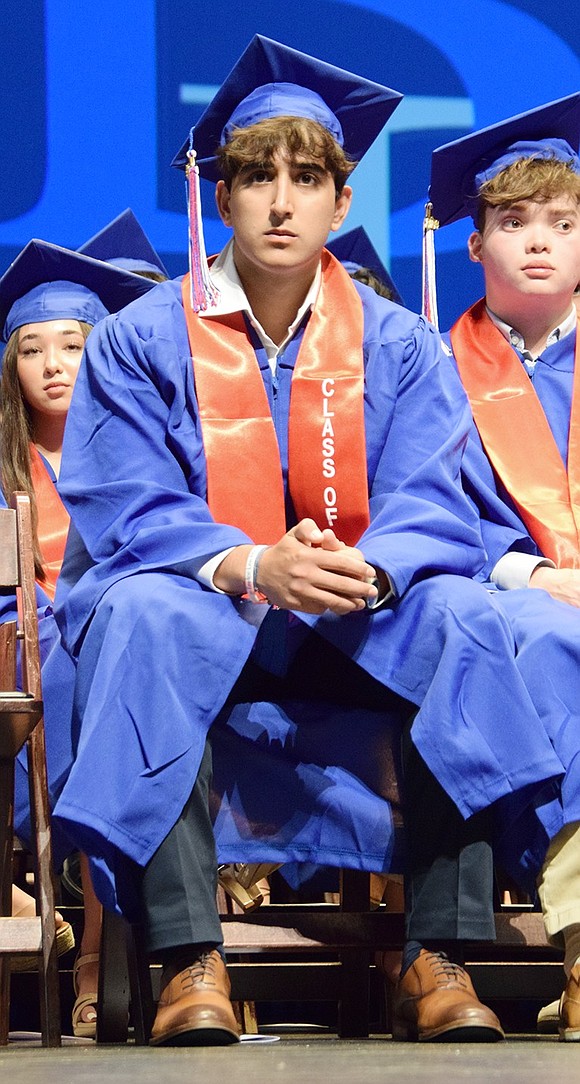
(559, 883)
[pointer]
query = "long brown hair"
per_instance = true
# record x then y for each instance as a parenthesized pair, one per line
(16, 435)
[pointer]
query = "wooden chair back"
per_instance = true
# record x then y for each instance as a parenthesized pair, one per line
(21, 723)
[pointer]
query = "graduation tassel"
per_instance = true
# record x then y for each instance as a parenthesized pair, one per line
(203, 292)
(430, 224)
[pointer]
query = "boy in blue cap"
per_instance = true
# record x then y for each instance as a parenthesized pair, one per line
(516, 351)
(269, 539)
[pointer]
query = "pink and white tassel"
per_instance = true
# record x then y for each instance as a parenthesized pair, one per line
(430, 224)
(203, 293)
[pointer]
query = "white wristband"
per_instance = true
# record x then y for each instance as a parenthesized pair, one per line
(251, 573)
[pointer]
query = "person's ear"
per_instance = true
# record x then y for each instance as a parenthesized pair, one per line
(342, 207)
(223, 201)
(474, 246)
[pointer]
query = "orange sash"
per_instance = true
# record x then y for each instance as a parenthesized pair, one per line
(326, 438)
(517, 437)
(53, 522)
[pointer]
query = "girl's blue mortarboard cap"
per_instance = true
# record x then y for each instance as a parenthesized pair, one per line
(47, 282)
(58, 300)
(355, 250)
(124, 243)
(459, 169)
(274, 80)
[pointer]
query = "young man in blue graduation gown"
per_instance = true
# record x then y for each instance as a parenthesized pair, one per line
(289, 538)
(516, 352)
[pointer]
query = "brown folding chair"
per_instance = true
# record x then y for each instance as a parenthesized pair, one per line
(21, 722)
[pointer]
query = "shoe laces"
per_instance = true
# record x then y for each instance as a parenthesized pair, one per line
(201, 970)
(445, 971)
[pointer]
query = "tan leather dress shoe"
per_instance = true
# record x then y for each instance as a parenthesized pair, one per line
(435, 1002)
(569, 1028)
(195, 1008)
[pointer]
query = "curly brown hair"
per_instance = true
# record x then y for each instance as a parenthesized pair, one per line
(16, 435)
(536, 179)
(258, 143)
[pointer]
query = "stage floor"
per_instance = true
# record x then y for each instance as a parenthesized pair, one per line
(532, 1059)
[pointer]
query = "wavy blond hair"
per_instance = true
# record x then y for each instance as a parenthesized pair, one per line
(536, 179)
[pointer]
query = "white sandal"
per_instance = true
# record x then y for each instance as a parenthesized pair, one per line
(84, 1029)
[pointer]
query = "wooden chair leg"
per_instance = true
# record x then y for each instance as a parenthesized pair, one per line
(4, 1000)
(22, 723)
(48, 981)
(142, 1004)
(113, 999)
(6, 801)
(245, 1014)
(124, 979)
(244, 1011)
(353, 1016)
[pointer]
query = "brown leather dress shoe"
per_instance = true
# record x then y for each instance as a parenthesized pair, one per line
(435, 1002)
(195, 1008)
(569, 1027)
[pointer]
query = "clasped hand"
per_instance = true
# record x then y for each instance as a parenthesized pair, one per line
(308, 570)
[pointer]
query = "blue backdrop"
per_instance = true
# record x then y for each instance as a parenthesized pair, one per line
(96, 99)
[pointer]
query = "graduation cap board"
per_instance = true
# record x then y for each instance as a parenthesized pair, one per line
(273, 80)
(124, 243)
(355, 251)
(460, 168)
(47, 282)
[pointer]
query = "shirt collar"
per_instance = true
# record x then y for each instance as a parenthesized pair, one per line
(516, 340)
(233, 299)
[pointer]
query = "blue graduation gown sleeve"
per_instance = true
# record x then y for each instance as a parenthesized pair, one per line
(133, 436)
(416, 424)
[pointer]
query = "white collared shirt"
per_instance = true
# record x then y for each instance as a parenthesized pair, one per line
(516, 340)
(233, 298)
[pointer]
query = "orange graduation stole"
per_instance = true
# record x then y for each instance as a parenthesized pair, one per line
(53, 522)
(327, 454)
(517, 437)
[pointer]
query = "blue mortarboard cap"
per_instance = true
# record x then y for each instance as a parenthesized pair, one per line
(273, 80)
(124, 243)
(46, 282)
(355, 250)
(458, 169)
